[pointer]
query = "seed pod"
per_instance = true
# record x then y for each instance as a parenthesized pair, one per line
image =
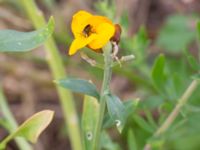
(116, 37)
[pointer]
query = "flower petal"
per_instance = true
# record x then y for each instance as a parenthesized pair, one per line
(95, 21)
(104, 32)
(80, 42)
(79, 21)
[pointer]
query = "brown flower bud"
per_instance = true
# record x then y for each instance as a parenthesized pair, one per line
(117, 34)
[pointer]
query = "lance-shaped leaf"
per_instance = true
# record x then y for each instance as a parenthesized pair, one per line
(143, 123)
(198, 29)
(116, 110)
(132, 143)
(158, 74)
(80, 86)
(15, 41)
(130, 107)
(89, 120)
(31, 128)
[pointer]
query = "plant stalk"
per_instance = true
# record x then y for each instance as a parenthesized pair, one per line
(172, 116)
(56, 65)
(104, 90)
(182, 101)
(7, 114)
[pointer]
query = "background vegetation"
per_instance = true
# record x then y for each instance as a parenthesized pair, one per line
(163, 36)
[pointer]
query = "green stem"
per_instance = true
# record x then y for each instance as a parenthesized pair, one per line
(55, 63)
(172, 116)
(23, 145)
(104, 90)
(182, 101)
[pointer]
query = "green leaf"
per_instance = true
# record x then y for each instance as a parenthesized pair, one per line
(151, 102)
(150, 118)
(178, 84)
(141, 41)
(193, 62)
(139, 45)
(80, 86)
(143, 123)
(132, 143)
(89, 120)
(198, 30)
(196, 76)
(32, 127)
(176, 34)
(15, 41)
(156, 142)
(130, 107)
(107, 143)
(158, 74)
(4, 123)
(116, 110)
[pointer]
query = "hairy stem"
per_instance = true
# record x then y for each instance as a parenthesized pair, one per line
(56, 65)
(104, 90)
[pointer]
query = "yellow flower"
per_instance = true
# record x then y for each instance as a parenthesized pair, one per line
(90, 30)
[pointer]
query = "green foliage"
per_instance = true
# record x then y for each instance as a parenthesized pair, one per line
(116, 110)
(130, 108)
(176, 34)
(140, 44)
(137, 45)
(124, 23)
(159, 83)
(170, 76)
(198, 30)
(107, 143)
(15, 41)
(194, 64)
(31, 128)
(4, 123)
(152, 102)
(158, 73)
(143, 123)
(89, 120)
(80, 86)
(132, 143)
(106, 8)
(167, 81)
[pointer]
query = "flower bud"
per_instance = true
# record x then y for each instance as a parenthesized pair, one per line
(117, 34)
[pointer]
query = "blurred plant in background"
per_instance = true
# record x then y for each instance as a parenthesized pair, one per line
(166, 62)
